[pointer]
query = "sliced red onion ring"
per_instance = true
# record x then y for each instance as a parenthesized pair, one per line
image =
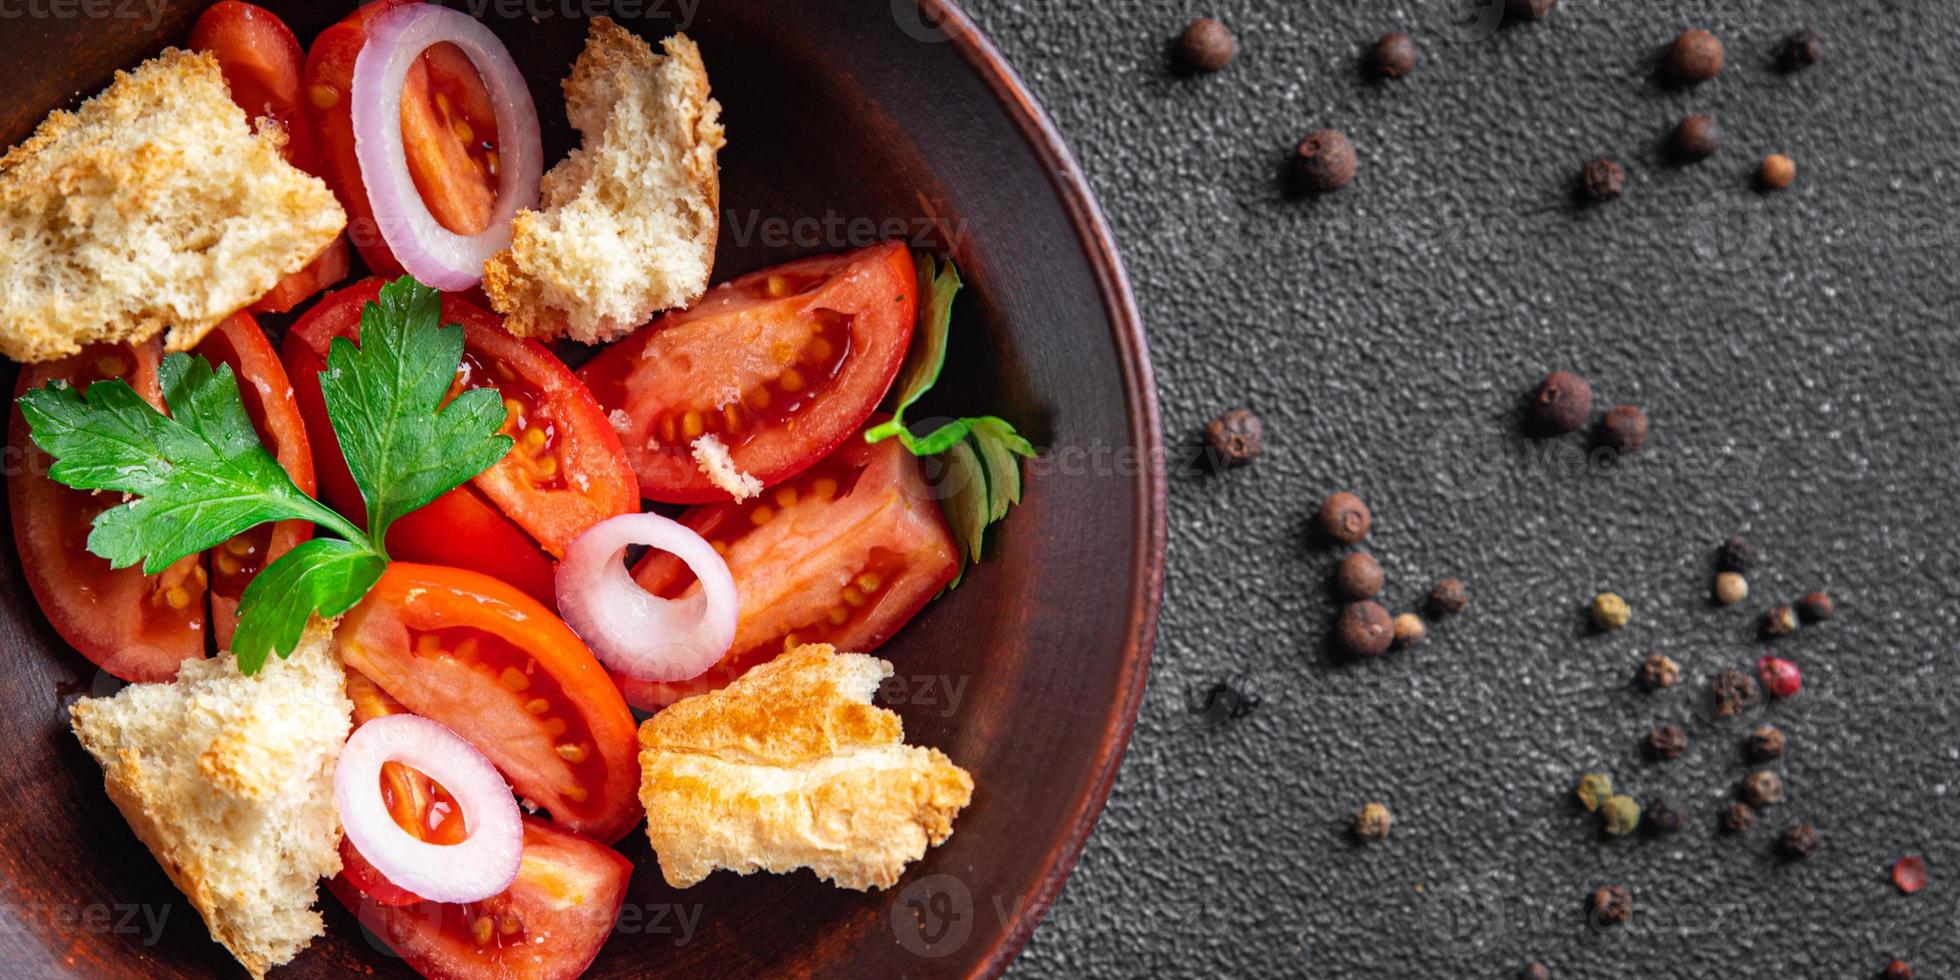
(434, 254)
(483, 865)
(628, 628)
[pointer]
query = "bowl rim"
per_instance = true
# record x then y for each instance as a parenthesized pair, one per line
(1092, 232)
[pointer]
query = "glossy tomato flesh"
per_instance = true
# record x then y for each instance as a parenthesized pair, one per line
(780, 365)
(844, 554)
(503, 672)
(135, 626)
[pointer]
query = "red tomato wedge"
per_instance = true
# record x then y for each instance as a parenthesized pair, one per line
(262, 64)
(567, 471)
(781, 365)
(507, 675)
(135, 626)
(449, 130)
(549, 925)
(268, 398)
(463, 530)
(844, 554)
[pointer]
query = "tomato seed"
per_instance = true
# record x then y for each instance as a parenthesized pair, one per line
(537, 706)
(512, 680)
(573, 754)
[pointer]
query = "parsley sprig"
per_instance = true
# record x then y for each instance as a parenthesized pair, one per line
(199, 475)
(980, 453)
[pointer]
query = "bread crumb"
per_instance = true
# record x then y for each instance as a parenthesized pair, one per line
(715, 461)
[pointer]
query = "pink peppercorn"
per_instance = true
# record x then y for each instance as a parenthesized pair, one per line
(1780, 677)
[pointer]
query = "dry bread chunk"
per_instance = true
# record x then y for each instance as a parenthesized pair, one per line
(229, 781)
(793, 767)
(629, 219)
(151, 208)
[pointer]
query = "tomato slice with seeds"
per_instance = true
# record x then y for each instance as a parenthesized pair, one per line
(780, 365)
(268, 397)
(449, 133)
(844, 554)
(135, 626)
(461, 529)
(503, 672)
(567, 471)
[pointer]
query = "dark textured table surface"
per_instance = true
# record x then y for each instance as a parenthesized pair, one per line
(1796, 353)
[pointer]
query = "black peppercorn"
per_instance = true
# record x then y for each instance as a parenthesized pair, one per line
(1611, 905)
(1449, 597)
(1562, 403)
(1816, 608)
(1659, 671)
(1529, 9)
(1665, 816)
(1236, 437)
(1344, 518)
(1325, 160)
(1738, 555)
(1394, 55)
(1206, 45)
(1365, 629)
(1897, 970)
(1667, 742)
(1735, 692)
(1695, 57)
(1623, 429)
(1358, 576)
(1802, 49)
(1799, 842)
(1738, 818)
(1604, 180)
(1765, 743)
(1697, 138)
(1762, 789)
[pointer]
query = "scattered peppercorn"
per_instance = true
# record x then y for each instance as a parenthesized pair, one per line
(1394, 55)
(1610, 612)
(1816, 608)
(1659, 671)
(1449, 597)
(1604, 180)
(1778, 173)
(1695, 57)
(1730, 588)
(1664, 816)
(1909, 874)
(1206, 45)
(1620, 816)
(1344, 518)
(1611, 905)
(1734, 692)
(1236, 437)
(1667, 742)
(1530, 9)
(1779, 677)
(1779, 621)
(1765, 743)
(1593, 790)
(1535, 971)
(1365, 630)
(1358, 576)
(1738, 555)
(1623, 429)
(1739, 818)
(1762, 789)
(1697, 138)
(1372, 823)
(1409, 630)
(1562, 404)
(1802, 49)
(1325, 160)
(1799, 842)
(1898, 970)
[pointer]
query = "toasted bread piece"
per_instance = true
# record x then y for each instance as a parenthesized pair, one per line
(229, 781)
(793, 767)
(629, 219)
(151, 208)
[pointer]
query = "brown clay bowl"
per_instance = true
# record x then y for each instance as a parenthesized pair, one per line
(1029, 674)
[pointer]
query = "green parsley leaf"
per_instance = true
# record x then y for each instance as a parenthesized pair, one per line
(324, 575)
(983, 473)
(385, 399)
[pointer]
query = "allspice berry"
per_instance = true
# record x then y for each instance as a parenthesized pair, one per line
(1325, 161)
(1206, 45)
(1394, 55)
(1730, 588)
(1409, 630)
(1236, 437)
(1762, 788)
(1449, 597)
(1610, 612)
(1623, 429)
(1562, 403)
(1778, 172)
(1765, 743)
(1358, 576)
(1695, 57)
(1802, 49)
(1659, 671)
(1816, 608)
(1604, 180)
(1697, 138)
(1344, 518)
(1364, 630)
(1372, 824)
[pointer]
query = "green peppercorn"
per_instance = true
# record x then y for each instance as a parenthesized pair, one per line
(1593, 790)
(1610, 612)
(1620, 815)
(1372, 823)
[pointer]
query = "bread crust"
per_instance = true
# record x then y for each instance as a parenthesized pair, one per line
(792, 767)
